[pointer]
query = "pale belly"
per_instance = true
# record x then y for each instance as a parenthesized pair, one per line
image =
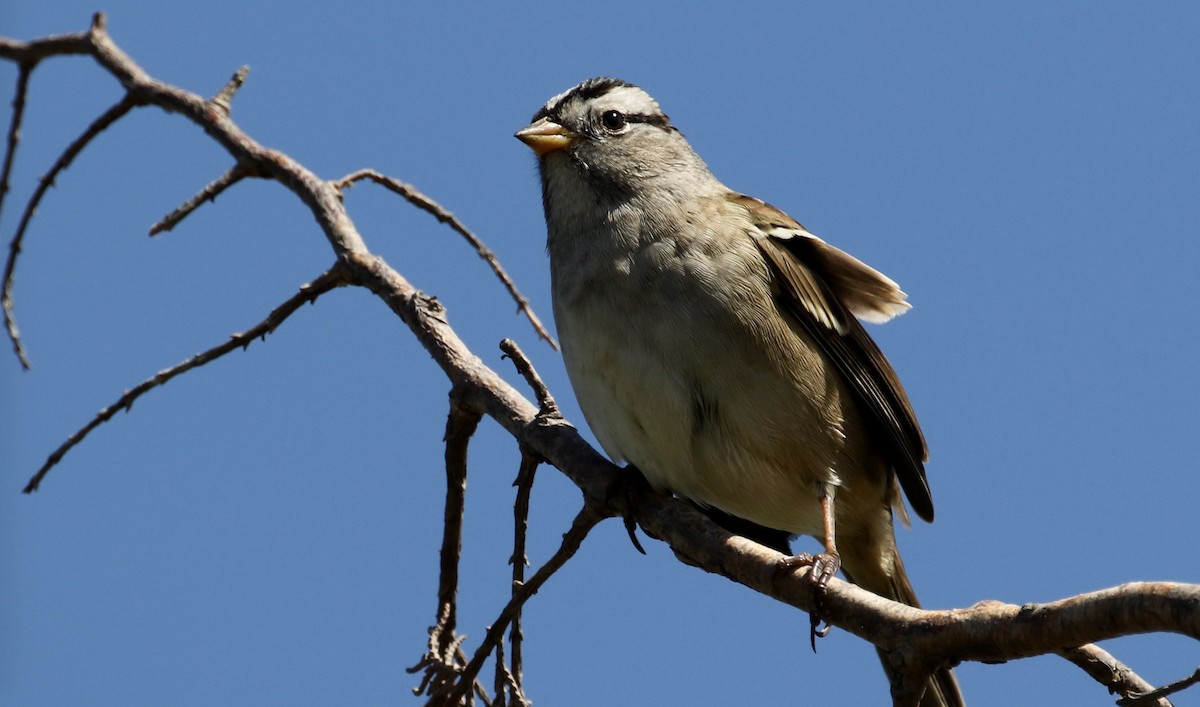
(709, 408)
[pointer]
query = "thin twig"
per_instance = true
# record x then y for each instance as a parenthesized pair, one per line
(440, 672)
(515, 694)
(416, 198)
(64, 160)
(441, 663)
(1112, 674)
(546, 405)
(14, 136)
(519, 560)
(224, 98)
(500, 682)
(210, 192)
(25, 68)
(1149, 698)
(308, 293)
(572, 539)
(460, 426)
(480, 691)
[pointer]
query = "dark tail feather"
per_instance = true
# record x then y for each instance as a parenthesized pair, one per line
(942, 690)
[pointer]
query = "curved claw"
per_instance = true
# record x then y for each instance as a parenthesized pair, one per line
(631, 528)
(629, 486)
(822, 567)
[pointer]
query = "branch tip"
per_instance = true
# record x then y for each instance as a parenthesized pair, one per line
(1113, 675)
(209, 193)
(223, 100)
(547, 407)
(1157, 697)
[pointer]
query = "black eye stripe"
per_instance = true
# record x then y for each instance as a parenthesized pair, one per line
(657, 119)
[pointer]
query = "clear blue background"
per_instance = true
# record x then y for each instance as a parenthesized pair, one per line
(265, 530)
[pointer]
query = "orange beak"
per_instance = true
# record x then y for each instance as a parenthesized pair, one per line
(545, 136)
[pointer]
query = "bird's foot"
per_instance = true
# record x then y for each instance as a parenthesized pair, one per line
(824, 566)
(821, 567)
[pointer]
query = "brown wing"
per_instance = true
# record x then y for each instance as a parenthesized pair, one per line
(824, 288)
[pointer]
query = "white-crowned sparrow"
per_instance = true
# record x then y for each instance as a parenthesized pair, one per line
(712, 341)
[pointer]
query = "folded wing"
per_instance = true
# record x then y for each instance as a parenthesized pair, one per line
(825, 289)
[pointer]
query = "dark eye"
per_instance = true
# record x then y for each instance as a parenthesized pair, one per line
(613, 120)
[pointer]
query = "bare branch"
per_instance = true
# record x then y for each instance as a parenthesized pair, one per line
(14, 128)
(14, 136)
(308, 293)
(210, 192)
(924, 639)
(500, 679)
(64, 160)
(31, 53)
(224, 98)
(1158, 696)
(460, 426)
(587, 519)
(416, 198)
(441, 663)
(509, 692)
(519, 560)
(441, 672)
(546, 405)
(1114, 675)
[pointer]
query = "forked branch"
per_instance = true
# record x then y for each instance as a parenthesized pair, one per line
(587, 519)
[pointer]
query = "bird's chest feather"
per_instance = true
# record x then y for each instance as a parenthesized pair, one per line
(676, 366)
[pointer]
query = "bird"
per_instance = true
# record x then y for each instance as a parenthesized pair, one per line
(714, 343)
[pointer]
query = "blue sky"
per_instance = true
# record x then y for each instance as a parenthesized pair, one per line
(265, 530)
